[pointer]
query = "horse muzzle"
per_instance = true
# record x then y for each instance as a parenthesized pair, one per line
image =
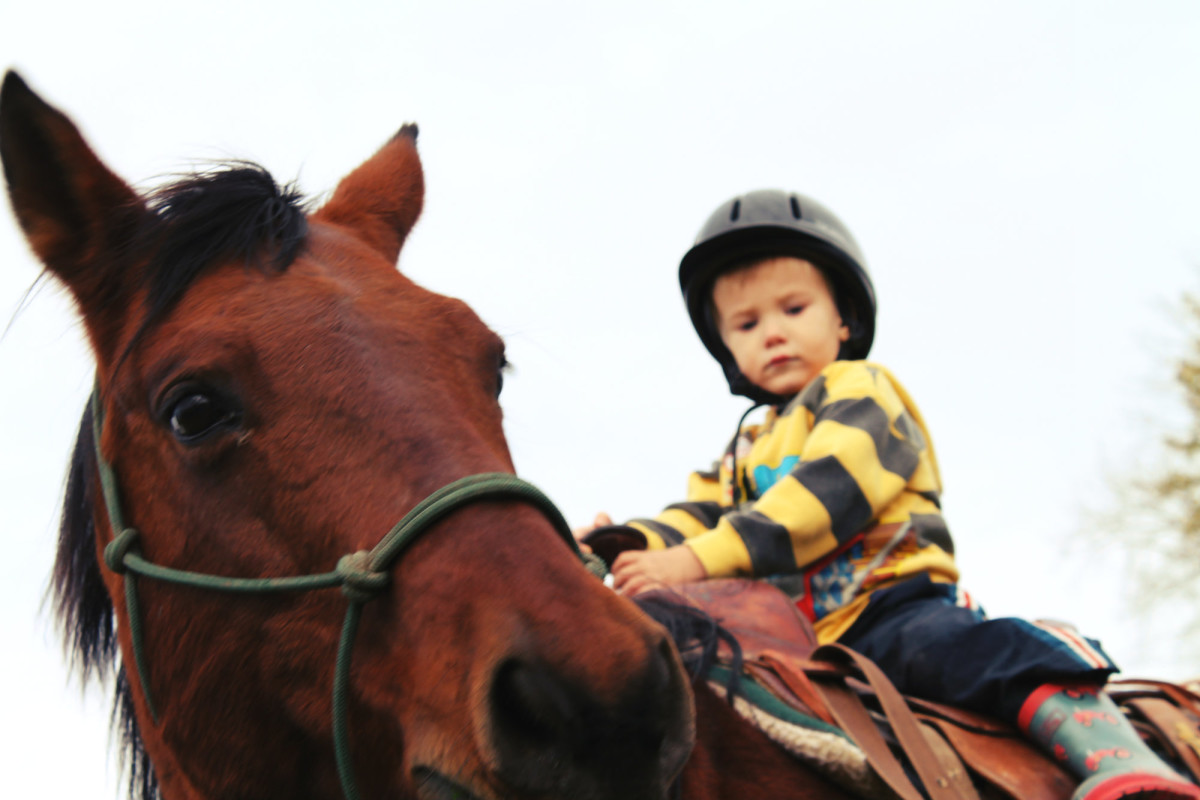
(557, 737)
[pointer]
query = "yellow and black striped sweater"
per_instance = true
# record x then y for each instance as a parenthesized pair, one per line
(842, 491)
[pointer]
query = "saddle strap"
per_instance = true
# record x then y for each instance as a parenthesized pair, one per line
(1179, 695)
(781, 674)
(852, 716)
(819, 688)
(940, 770)
(1174, 726)
(1006, 761)
(959, 780)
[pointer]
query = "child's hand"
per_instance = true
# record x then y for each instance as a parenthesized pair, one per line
(600, 521)
(635, 571)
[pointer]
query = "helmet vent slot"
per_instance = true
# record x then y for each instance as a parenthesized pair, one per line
(796, 208)
(736, 211)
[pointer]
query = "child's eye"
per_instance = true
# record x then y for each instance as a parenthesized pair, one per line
(794, 310)
(748, 325)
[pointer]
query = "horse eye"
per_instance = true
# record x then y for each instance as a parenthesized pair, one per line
(503, 368)
(196, 415)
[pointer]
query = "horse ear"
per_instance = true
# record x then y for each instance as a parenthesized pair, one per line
(75, 212)
(382, 198)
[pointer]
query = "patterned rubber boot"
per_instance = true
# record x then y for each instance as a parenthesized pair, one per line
(1085, 731)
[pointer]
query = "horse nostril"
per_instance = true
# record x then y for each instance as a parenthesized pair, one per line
(555, 733)
(532, 704)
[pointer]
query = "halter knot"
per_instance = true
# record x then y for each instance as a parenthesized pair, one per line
(114, 551)
(594, 564)
(359, 582)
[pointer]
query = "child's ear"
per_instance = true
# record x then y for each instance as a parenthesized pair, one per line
(844, 333)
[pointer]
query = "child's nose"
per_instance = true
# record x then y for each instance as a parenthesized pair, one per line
(772, 332)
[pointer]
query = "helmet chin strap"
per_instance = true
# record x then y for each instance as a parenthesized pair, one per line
(736, 481)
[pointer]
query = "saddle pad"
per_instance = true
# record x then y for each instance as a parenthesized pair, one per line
(825, 748)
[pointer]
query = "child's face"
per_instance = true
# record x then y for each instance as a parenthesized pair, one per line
(780, 321)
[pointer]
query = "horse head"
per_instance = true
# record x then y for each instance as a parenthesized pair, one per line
(272, 395)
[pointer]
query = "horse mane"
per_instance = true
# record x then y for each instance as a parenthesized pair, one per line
(697, 636)
(229, 212)
(85, 611)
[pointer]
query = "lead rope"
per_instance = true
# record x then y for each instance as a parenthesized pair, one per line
(362, 575)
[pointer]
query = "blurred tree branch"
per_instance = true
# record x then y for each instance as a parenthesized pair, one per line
(1155, 518)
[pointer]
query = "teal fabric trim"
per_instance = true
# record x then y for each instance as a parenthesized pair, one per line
(764, 700)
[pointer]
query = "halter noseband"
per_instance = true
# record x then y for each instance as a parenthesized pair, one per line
(362, 575)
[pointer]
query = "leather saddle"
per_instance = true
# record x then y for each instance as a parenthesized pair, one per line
(953, 753)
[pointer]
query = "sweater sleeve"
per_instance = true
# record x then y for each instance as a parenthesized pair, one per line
(699, 513)
(848, 447)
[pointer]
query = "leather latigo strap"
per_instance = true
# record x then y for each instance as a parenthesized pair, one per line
(952, 766)
(852, 716)
(1170, 728)
(969, 720)
(1006, 761)
(939, 769)
(788, 679)
(1181, 696)
(1176, 731)
(1166, 714)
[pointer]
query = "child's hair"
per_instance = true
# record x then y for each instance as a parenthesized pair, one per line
(747, 264)
(765, 224)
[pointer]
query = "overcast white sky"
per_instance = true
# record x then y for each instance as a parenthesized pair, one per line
(1023, 177)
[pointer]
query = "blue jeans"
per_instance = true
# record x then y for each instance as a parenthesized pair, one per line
(930, 646)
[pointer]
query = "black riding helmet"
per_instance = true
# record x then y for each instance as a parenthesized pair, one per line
(764, 224)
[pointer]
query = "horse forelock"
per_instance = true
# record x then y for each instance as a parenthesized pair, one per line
(233, 211)
(85, 612)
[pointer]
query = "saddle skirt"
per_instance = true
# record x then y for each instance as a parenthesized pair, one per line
(900, 742)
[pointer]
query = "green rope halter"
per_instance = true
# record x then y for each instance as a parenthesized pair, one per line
(362, 575)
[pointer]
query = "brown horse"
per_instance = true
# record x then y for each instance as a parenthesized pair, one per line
(271, 397)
